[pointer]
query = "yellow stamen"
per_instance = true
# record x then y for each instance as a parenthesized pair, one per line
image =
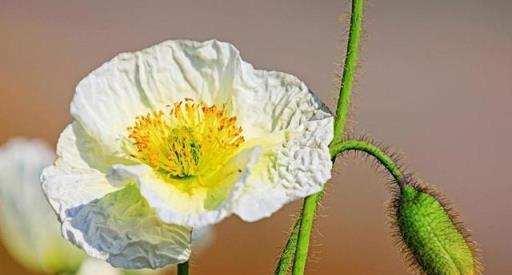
(191, 140)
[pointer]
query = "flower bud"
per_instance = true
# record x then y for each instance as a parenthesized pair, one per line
(435, 241)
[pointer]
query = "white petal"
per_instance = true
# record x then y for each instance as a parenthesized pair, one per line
(72, 181)
(109, 223)
(131, 84)
(202, 205)
(260, 200)
(29, 228)
(296, 161)
(123, 230)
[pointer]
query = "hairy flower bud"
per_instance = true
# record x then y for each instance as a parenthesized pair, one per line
(434, 240)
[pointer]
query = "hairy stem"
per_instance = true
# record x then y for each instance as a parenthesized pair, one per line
(304, 234)
(335, 149)
(183, 268)
(348, 69)
(289, 251)
(373, 150)
(310, 203)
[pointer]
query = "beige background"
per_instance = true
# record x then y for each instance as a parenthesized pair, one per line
(434, 82)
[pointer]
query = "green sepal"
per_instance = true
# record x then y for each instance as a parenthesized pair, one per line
(436, 241)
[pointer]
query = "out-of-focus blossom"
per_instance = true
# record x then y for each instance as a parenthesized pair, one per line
(92, 266)
(182, 135)
(29, 229)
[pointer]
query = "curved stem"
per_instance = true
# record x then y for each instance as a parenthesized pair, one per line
(349, 69)
(381, 156)
(183, 268)
(310, 208)
(310, 203)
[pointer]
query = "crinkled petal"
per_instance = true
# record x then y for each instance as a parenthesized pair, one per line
(298, 163)
(71, 181)
(109, 223)
(132, 84)
(200, 202)
(122, 229)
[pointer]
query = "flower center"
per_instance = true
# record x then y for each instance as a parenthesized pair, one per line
(191, 140)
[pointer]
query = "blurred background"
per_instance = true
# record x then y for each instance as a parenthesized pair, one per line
(434, 82)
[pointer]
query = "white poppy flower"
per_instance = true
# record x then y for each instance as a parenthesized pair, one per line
(179, 135)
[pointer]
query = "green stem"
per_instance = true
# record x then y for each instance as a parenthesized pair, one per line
(183, 268)
(289, 251)
(349, 69)
(304, 234)
(310, 203)
(381, 156)
(336, 149)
